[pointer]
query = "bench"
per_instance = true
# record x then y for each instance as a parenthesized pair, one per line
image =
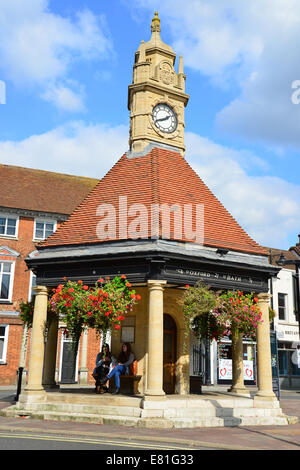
(129, 383)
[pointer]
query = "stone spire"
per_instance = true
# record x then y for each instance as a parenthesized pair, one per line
(155, 26)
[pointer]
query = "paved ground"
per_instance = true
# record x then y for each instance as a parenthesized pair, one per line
(251, 437)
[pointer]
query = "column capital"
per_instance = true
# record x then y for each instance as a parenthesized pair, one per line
(264, 297)
(156, 283)
(41, 290)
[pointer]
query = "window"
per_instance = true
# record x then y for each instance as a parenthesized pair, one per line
(43, 229)
(6, 276)
(288, 360)
(282, 306)
(32, 285)
(8, 226)
(3, 342)
(128, 330)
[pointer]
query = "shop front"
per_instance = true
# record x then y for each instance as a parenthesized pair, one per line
(288, 356)
(224, 362)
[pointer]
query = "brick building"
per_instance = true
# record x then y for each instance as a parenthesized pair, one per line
(33, 204)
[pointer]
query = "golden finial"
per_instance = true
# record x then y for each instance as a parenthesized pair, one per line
(155, 26)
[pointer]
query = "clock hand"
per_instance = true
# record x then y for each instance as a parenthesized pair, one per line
(163, 119)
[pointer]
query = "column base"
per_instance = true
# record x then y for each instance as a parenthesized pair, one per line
(239, 391)
(32, 396)
(265, 395)
(154, 395)
(83, 376)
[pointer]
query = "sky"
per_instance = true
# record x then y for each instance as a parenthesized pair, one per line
(65, 67)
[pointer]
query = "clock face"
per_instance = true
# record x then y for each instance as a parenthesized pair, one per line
(165, 118)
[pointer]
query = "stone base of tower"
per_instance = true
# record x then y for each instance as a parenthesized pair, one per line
(172, 411)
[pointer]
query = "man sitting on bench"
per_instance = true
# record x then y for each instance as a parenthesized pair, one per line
(125, 359)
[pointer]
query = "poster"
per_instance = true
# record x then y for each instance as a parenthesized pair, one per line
(225, 370)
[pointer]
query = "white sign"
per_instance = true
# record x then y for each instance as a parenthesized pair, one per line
(225, 369)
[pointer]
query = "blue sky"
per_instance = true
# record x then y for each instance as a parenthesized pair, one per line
(67, 66)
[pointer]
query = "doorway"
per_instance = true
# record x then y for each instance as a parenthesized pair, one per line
(169, 354)
(68, 370)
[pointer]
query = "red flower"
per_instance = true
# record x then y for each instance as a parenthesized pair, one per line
(123, 276)
(187, 286)
(117, 327)
(138, 297)
(71, 290)
(85, 287)
(132, 296)
(80, 282)
(128, 284)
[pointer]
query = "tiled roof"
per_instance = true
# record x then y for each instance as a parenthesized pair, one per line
(43, 191)
(162, 176)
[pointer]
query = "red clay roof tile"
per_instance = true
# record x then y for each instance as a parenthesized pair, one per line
(43, 191)
(161, 177)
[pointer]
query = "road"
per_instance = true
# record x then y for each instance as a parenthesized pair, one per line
(12, 440)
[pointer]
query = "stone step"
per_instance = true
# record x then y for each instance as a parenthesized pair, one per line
(84, 409)
(151, 422)
(265, 421)
(94, 399)
(247, 412)
(76, 417)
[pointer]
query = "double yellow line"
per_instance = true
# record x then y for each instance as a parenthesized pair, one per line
(103, 441)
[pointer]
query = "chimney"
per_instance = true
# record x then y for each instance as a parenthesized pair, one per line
(298, 244)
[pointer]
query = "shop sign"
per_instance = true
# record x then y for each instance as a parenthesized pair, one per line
(214, 276)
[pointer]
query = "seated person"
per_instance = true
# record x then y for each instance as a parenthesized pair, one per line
(104, 361)
(125, 359)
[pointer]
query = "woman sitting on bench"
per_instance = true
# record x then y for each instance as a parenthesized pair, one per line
(125, 359)
(104, 360)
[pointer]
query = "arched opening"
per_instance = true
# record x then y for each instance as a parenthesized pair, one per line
(169, 357)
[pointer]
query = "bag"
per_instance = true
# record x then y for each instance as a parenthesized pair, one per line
(133, 368)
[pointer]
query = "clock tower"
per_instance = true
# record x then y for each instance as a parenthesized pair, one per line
(156, 97)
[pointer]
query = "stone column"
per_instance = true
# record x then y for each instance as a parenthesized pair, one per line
(83, 377)
(155, 339)
(264, 368)
(238, 385)
(50, 354)
(36, 359)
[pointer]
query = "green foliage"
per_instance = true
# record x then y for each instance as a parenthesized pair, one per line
(212, 316)
(102, 307)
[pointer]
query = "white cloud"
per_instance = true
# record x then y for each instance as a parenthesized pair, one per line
(268, 208)
(253, 45)
(74, 148)
(38, 48)
(65, 98)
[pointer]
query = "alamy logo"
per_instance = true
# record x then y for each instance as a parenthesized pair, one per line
(161, 221)
(2, 92)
